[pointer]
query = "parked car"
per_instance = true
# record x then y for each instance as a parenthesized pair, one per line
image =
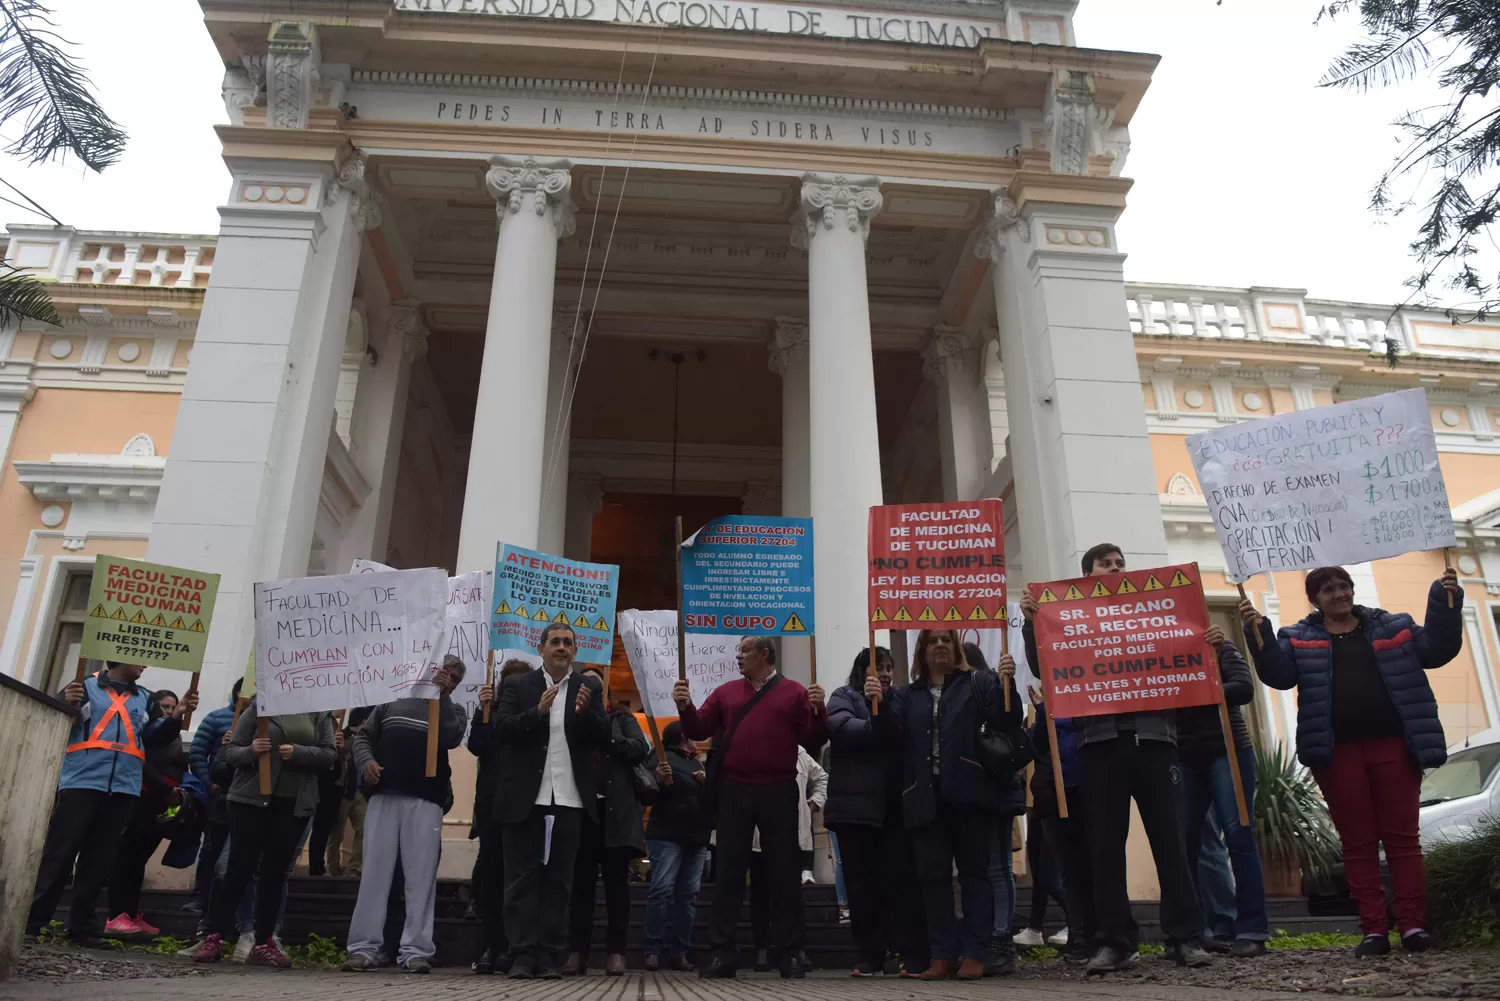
(1456, 795)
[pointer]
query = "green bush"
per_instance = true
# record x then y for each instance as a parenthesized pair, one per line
(1463, 886)
(1291, 819)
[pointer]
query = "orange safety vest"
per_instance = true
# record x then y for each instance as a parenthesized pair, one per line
(117, 707)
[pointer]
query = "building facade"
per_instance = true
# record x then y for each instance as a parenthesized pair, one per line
(681, 258)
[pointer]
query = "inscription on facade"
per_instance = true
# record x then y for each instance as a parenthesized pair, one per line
(734, 15)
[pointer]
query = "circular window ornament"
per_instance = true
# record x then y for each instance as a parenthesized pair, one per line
(1468, 565)
(52, 515)
(130, 351)
(61, 348)
(1193, 398)
(1450, 417)
(1252, 401)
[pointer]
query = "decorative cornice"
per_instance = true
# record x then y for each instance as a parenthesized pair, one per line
(830, 200)
(75, 477)
(544, 182)
(788, 345)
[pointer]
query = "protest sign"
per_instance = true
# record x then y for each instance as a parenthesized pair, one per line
(749, 576)
(327, 643)
(650, 640)
(989, 642)
(1329, 486)
(534, 589)
(1124, 642)
(145, 613)
(934, 563)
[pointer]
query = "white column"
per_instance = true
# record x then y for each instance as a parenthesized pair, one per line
(240, 491)
(788, 349)
(375, 432)
(502, 501)
(554, 510)
(1078, 441)
(845, 450)
(585, 499)
(951, 360)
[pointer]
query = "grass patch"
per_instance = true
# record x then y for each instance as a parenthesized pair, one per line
(318, 953)
(1312, 940)
(165, 945)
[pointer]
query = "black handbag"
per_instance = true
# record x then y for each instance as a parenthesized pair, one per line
(708, 796)
(643, 781)
(1005, 751)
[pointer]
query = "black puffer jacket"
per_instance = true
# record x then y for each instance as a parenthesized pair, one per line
(864, 772)
(677, 815)
(1200, 735)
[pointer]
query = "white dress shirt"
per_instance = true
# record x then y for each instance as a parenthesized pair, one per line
(558, 785)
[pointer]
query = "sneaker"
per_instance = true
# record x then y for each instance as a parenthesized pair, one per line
(844, 916)
(1190, 954)
(267, 955)
(1247, 948)
(652, 962)
(242, 947)
(1373, 945)
(194, 906)
(865, 970)
(1057, 939)
(1222, 946)
(1028, 938)
(416, 964)
(122, 925)
(807, 877)
(146, 927)
(360, 964)
(210, 951)
(1111, 960)
(190, 950)
(1417, 940)
(794, 967)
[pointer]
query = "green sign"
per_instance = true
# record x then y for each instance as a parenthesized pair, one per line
(145, 613)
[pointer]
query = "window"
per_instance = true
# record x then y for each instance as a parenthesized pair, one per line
(1466, 773)
(67, 635)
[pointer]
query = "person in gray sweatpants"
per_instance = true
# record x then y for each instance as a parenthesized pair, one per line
(404, 819)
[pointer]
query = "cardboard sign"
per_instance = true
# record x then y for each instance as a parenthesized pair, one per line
(650, 640)
(534, 589)
(749, 577)
(145, 613)
(1124, 642)
(1329, 486)
(363, 639)
(938, 563)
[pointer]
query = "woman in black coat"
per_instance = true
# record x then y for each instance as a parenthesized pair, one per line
(607, 848)
(864, 812)
(949, 800)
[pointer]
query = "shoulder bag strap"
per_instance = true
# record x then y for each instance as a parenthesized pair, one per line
(722, 746)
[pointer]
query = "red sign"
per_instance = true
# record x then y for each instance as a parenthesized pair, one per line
(936, 563)
(1124, 642)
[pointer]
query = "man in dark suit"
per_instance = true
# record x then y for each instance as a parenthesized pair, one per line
(551, 722)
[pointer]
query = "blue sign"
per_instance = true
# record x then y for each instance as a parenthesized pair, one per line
(750, 577)
(533, 590)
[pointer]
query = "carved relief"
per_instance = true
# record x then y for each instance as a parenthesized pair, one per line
(788, 345)
(950, 354)
(830, 200)
(405, 329)
(291, 74)
(1001, 218)
(538, 185)
(365, 203)
(1071, 121)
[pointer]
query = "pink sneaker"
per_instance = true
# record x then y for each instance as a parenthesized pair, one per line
(210, 951)
(269, 955)
(122, 924)
(145, 928)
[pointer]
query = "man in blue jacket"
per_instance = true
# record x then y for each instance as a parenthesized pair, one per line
(98, 791)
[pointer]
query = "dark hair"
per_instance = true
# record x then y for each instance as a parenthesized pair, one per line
(919, 657)
(1097, 552)
(975, 657)
(862, 665)
(1323, 575)
(153, 705)
(672, 735)
(551, 628)
(453, 664)
(234, 692)
(513, 667)
(358, 715)
(767, 647)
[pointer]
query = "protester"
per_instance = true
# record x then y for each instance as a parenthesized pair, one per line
(1127, 756)
(1046, 882)
(404, 819)
(550, 723)
(1207, 784)
(264, 830)
(1367, 724)
(864, 813)
(331, 786)
(757, 725)
(812, 790)
(1000, 951)
(208, 740)
(98, 791)
(1067, 837)
(608, 844)
(352, 807)
(161, 782)
(950, 801)
(677, 843)
(494, 955)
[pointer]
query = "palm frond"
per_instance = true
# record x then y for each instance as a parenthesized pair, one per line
(22, 296)
(46, 88)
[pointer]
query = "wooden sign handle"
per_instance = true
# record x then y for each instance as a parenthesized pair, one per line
(434, 710)
(187, 718)
(1448, 565)
(681, 617)
(812, 660)
(1004, 651)
(489, 682)
(661, 752)
(83, 667)
(1230, 751)
(1057, 775)
(875, 702)
(1260, 643)
(239, 707)
(263, 732)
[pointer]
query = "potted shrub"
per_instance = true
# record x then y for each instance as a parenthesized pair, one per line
(1296, 838)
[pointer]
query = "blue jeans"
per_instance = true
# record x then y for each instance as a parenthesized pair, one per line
(1212, 787)
(676, 874)
(1002, 879)
(1215, 881)
(838, 871)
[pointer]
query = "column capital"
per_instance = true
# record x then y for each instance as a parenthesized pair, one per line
(949, 353)
(1000, 218)
(365, 204)
(1071, 121)
(562, 332)
(538, 184)
(404, 328)
(788, 345)
(830, 200)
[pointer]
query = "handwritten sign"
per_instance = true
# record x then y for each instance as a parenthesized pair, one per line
(535, 589)
(1124, 642)
(932, 563)
(650, 640)
(363, 639)
(749, 576)
(146, 613)
(1329, 486)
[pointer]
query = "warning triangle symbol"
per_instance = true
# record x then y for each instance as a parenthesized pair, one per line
(177, 623)
(878, 615)
(928, 615)
(138, 617)
(952, 615)
(602, 625)
(978, 615)
(793, 624)
(1180, 579)
(1046, 596)
(1099, 591)
(118, 613)
(98, 612)
(160, 620)
(1152, 584)
(582, 622)
(1126, 587)
(540, 615)
(561, 617)
(503, 608)
(902, 615)
(196, 627)
(1073, 594)
(520, 610)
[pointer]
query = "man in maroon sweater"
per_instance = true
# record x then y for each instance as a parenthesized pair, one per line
(757, 789)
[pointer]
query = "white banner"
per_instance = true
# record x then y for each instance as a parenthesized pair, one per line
(1330, 486)
(650, 640)
(329, 643)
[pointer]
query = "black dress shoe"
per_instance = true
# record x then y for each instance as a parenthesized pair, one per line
(504, 962)
(548, 973)
(794, 967)
(1373, 945)
(762, 961)
(1190, 954)
(484, 965)
(1418, 941)
(522, 970)
(1247, 948)
(1111, 960)
(1000, 957)
(718, 968)
(1223, 946)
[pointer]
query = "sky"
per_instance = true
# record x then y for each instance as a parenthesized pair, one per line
(1246, 172)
